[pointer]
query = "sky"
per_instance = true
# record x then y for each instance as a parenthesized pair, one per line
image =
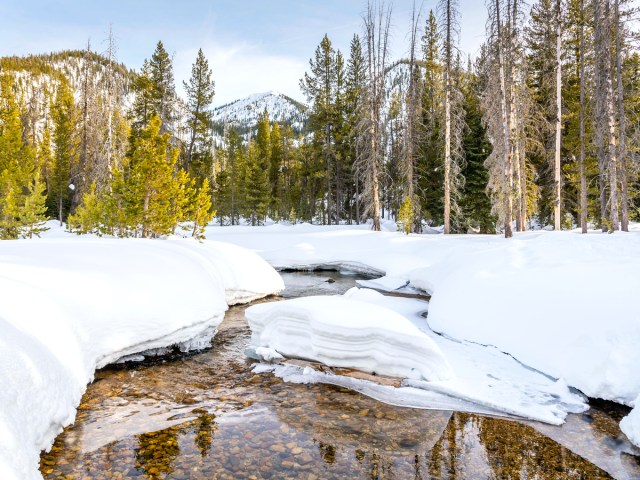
(252, 45)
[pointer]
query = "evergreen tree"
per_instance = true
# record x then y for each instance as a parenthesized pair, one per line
(319, 86)
(88, 217)
(257, 187)
(142, 105)
(163, 92)
(276, 161)
(201, 213)
(12, 153)
(230, 180)
(150, 186)
(31, 213)
(474, 201)
(155, 92)
(431, 164)
(200, 91)
(353, 103)
(65, 152)
(22, 199)
(541, 36)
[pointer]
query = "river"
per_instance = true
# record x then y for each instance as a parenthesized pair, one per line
(207, 416)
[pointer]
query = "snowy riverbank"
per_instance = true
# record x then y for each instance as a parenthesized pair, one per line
(559, 302)
(73, 304)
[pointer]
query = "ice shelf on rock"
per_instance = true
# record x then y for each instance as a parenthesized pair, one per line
(630, 425)
(367, 331)
(341, 331)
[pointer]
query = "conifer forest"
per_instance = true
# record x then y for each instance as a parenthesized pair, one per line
(540, 129)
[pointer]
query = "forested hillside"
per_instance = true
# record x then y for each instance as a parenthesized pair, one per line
(541, 129)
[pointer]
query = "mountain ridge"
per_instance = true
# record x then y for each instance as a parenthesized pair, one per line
(244, 113)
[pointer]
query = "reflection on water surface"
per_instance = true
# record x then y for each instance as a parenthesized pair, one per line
(207, 416)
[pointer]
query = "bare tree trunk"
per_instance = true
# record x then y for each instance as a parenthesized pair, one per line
(357, 196)
(602, 66)
(110, 106)
(377, 25)
(508, 170)
(447, 119)
(375, 188)
(583, 176)
(523, 191)
(613, 163)
(622, 124)
(447, 158)
(557, 169)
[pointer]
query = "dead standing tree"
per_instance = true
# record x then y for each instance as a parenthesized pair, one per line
(498, 118)
(377, 22)
(606, 141)
(413, 126)
(453, 114)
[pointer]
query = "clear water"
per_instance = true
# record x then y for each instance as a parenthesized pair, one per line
(207, 416)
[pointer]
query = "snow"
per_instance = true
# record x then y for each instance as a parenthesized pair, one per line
(347, 331)
(558, 302)
(246, 112)
(367, 331)
(630, 425)
(71, 305)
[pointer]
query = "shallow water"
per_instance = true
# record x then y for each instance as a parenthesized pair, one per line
(207, 416)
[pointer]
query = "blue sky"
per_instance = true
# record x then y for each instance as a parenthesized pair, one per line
(252, 45)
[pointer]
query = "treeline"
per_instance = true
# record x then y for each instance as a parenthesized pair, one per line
(72, 150)
(540, 129)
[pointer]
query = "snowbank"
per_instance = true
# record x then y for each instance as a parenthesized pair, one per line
(71, 305)
(346, 331)
(630, 425)
(559, 302)
(335, 330)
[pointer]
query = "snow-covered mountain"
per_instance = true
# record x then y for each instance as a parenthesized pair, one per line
(245, 113)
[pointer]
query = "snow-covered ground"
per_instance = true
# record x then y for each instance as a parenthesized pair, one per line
(518, 320)
(72, 304)
(439, 372)
(558, 302)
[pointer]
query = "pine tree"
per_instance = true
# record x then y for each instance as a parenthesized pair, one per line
(142, 108)
(430, 165)
(276, 162)
(150, 182)
(201, 210)
(230, 180)
(163, 91)
(353, 103)
(22, 199)
(32, 212)
(405, 217)
(257, 187)
(155, 92)
(200, 91)
(64, 117)
(544, 62)
(319, 86)
(474, 202)
(12, 153)
(88, 217)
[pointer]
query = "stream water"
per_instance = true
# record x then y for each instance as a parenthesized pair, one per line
(207, 416)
